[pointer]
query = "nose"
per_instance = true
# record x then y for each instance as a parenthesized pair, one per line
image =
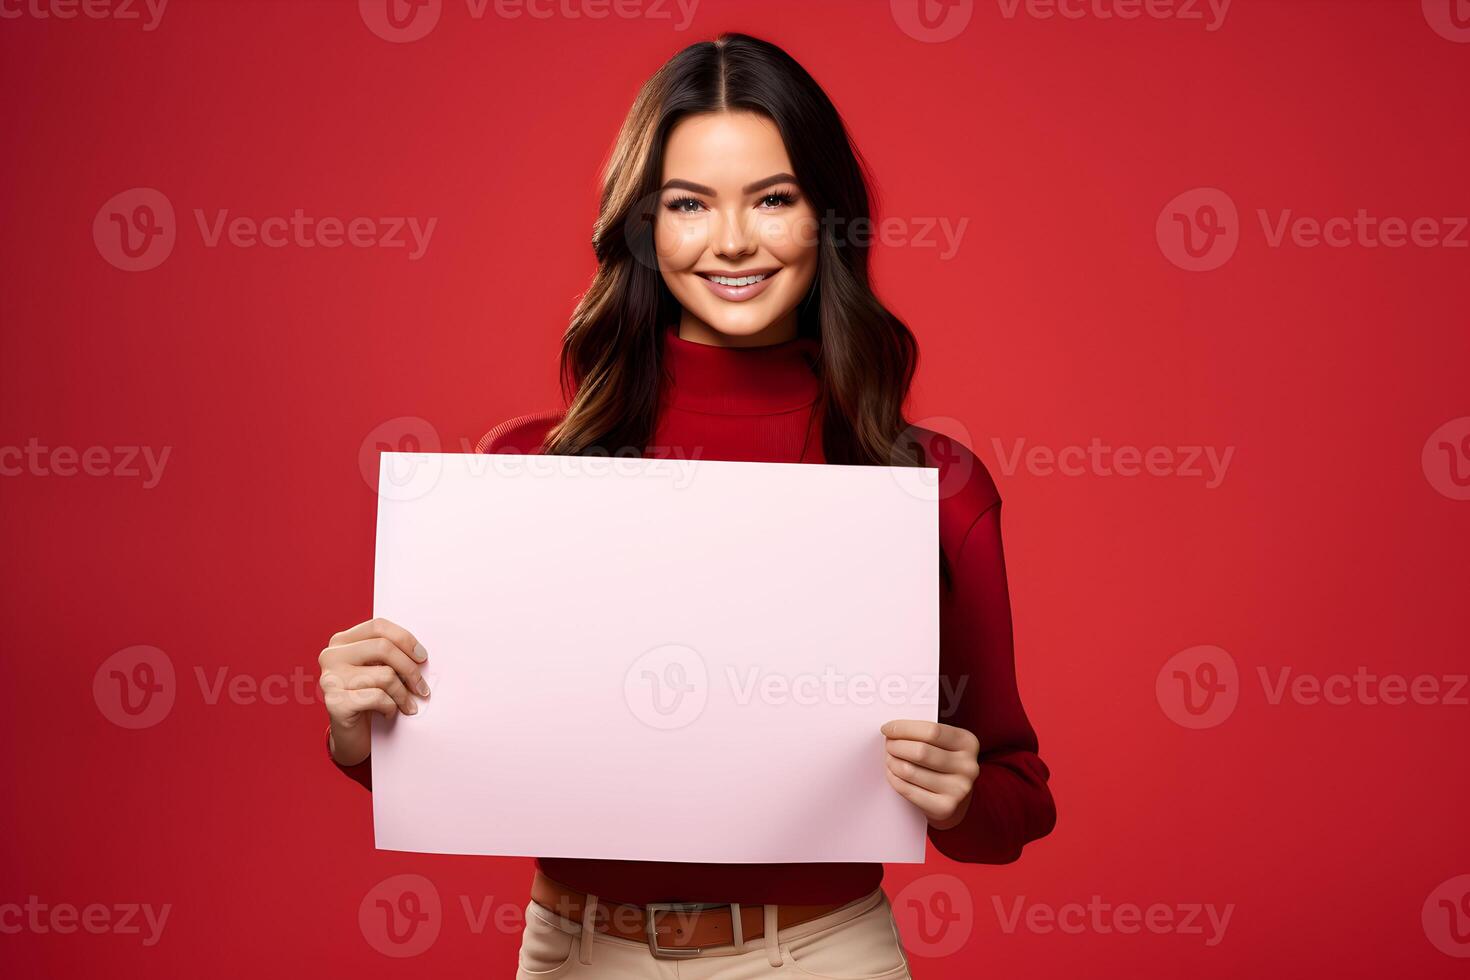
(734, 235)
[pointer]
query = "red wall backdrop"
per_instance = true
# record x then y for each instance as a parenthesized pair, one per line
(1202, 311)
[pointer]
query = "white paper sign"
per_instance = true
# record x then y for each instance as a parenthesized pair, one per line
(662, 660)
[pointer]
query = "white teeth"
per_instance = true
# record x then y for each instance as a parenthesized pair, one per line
(742, 281)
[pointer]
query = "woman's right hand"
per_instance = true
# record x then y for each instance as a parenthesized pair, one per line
(374, 666)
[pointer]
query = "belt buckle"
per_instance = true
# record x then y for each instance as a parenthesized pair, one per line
(650, 926)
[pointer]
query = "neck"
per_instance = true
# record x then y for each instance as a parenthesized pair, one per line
(740, 380)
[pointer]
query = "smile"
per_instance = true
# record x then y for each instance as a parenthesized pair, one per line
(738, 288)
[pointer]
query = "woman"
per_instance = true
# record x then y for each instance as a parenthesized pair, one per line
(731, 317)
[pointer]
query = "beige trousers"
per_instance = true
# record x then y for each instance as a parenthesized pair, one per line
(856, 942)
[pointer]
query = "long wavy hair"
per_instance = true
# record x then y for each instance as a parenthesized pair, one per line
(611, 351)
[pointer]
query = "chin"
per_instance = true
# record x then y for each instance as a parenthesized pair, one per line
(740, 319)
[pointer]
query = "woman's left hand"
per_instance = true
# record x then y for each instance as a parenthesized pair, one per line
(933, 766)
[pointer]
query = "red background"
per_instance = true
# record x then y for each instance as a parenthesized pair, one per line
(1326, 548)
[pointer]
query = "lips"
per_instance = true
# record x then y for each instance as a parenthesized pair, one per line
(738, 287)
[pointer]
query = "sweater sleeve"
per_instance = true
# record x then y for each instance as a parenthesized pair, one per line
(1011, 803)
(362, 773)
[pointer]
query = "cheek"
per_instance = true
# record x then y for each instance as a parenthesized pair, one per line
(678, 241)
(793, 239)
(790, 236)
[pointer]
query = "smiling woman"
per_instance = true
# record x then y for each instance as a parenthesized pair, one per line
(732, 318)
(733, 163)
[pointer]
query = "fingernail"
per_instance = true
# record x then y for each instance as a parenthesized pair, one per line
(413, 709)
(423, 687)
(419, 653)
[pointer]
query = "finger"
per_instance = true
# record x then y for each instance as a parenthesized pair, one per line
(923, 754)
(385, 679)
(373, 699)
(928, 756)
(945, 736)
(948, 784)
(926, 800)
(378, 650)
(386, 629)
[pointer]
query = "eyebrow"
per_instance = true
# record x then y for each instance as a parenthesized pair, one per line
(762, 184)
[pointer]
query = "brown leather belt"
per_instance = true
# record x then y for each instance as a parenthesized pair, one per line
(671, 929)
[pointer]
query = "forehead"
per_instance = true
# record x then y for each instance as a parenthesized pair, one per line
(718, 148)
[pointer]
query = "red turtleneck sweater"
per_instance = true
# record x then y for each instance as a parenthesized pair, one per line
(759, 404)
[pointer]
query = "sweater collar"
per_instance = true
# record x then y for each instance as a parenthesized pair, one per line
(763, 380)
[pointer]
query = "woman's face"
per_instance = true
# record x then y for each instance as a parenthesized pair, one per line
(735, 236)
